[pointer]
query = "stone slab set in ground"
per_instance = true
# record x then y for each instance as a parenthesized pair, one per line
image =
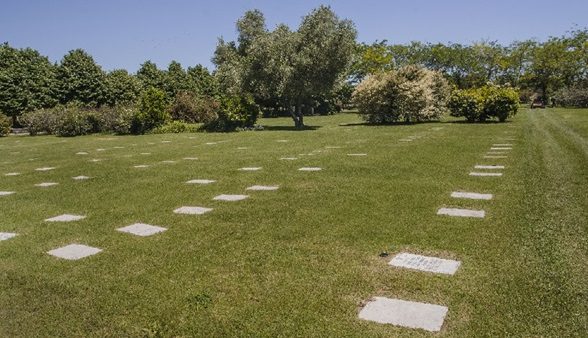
(500, 148)
(471, 195)
(461, 212)
(141, 229)
(6, 235)
(289, 158)
(65, 218)
(230, 198)
(310, 169)
(186, 210)
(74, 251)
(482, 166)
(6, 193)
(250, 169)
(361, 154)
(263, 187)
(399, 312)
(485, 174)
(45, 169)
(11, 174)
(46, 184)
(425, 263)
(81, 177)
(200, 181)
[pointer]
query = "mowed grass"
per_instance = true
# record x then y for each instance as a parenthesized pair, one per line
(299, 261)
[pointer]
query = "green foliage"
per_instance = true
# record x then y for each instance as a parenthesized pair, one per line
(38, 121)
(409, 94)
(117, 120)
(152, 111)
(575, 96)
(235, 112)
(176, 127)
(485, 102)
(150, 77)
(27, 81)
(80, 79)
(5, 124)
(192, 108)
(71, 121)
(121, 88)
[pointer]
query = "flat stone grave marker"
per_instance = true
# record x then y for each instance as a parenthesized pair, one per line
(496, 152)
(263, 187)
(500, 148)
(141, 229)
(169, 162)
(81, 177)
(11, 174)
(230, 198)
(141, 166)
(200, 181)
(404, 313)
(357, 154)
(210, 143)
(482, 166)
(282, 141)
(100, 149)
(145, 153)
(6, 235)
(289, 158)
(310, 169)
(190, 158)
(471, 195)
(96, 160)
(186, 210)
(46, 184)
(494, 156)
(165, 141)
(6, 193)
(119, 147)
(242, 148)
(461, 212)
(45, 169)
(81, 153)
(425, 263)
(333, 147)
(65, 218)
(485, 174)
(74, 251)
(250, 169)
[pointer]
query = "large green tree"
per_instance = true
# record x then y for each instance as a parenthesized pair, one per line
(150, 76)
(122, 88)
(80, 79)
(27, 81)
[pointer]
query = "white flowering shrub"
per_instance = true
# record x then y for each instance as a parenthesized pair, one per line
(410, 94)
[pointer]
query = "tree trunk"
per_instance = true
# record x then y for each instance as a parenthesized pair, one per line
(297, 116)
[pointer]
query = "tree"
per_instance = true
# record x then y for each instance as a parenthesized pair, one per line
(286, 67)
(200, 81)
(175, 79)
(149, 76)
(80, 79)
(121, 88)
(27, 81)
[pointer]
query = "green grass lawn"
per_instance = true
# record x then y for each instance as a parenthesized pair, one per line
(301, 260)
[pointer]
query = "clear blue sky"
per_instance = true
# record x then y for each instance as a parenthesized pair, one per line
(125, 33)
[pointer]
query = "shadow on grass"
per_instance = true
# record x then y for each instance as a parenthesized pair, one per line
(290, 128)
(478, 122)
(387, 124)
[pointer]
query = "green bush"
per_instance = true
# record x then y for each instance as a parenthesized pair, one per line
(5, 123)
(117, 120)
(479, 104)
(576, 96)
(152, 111)
(39, 121)
(410, 94)
(466, 103)
(235, 112)
(176, 127)
(71, 121)
(191, 108)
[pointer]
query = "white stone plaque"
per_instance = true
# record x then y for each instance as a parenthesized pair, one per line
(74, 251)
(461, 212)
(399, 312)
(425, 263)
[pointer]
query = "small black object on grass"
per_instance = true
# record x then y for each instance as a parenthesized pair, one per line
(384, 254)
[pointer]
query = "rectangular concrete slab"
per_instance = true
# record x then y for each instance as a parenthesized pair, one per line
(200, 181)
(46, 184)
(192, 210)
(190, 158)
(141, 229)
(141, 166)
(169, 161)
(74, 251)
(500, 148)
(263, 187)
(289, 158)
(358, 154)
(230, 198)
(6, 193)
(81, 177)
(485, 174)
(65, 218)
(310, 169)
(471, 195)
(484, 166)
(45, 169)
(404, 313)
(461, 212)
(250, 169)
(6, 235)
(81, 153)
(11, 174)
(425, 263)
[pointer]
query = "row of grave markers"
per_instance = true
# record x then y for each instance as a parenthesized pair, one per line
(427, 316)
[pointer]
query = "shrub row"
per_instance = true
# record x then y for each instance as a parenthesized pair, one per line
(481, 104)
(5, 123)
(576, 96)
